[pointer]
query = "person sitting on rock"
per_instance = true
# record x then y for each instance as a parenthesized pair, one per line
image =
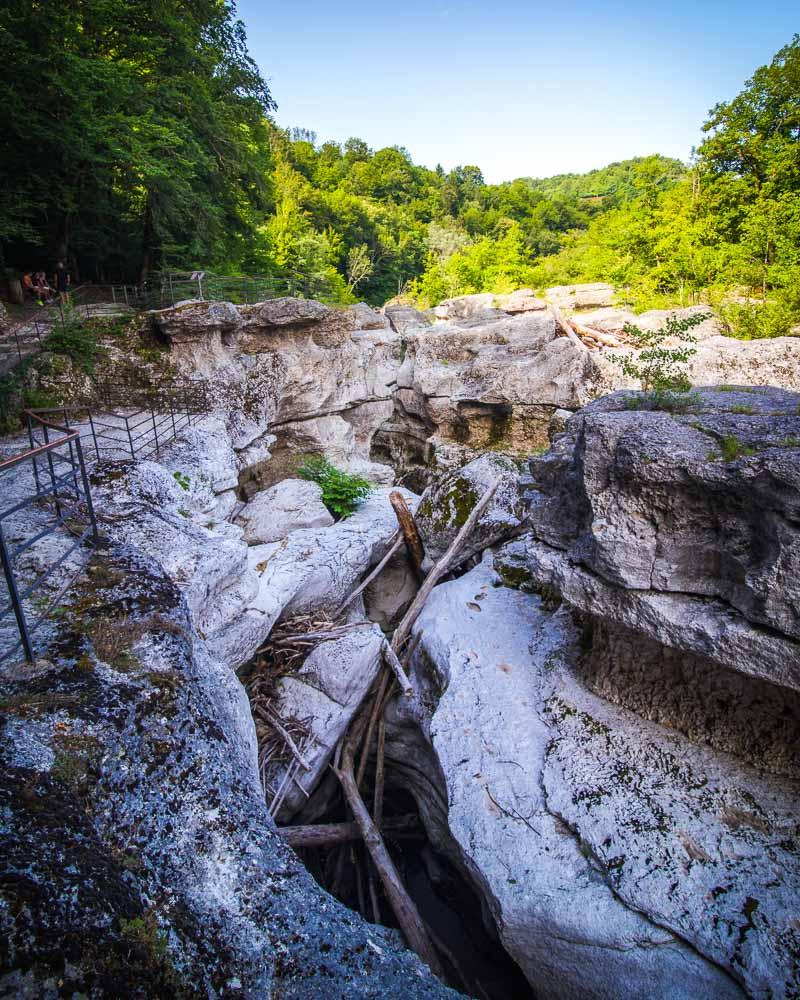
(28, 288)
(45, 292)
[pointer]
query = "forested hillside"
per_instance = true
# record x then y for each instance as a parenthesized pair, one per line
(149, 145)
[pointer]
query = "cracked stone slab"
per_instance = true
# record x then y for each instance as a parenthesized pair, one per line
(556, 908)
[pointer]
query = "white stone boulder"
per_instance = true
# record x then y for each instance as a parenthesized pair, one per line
(327, 691)
(291, 504)
(312, 569)
(582, 296)
(617, 857)
(448, 502)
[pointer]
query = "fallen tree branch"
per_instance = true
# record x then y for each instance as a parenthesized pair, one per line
(335, 632)
(566, 329)
(278, 726)
(403, 630)
(405, 911)
(410, 531)
(373, 716)
(394, 664)
(606, 339)
(397, 542)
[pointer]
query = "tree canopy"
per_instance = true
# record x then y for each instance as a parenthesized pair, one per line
(131, 130)
(138, 136)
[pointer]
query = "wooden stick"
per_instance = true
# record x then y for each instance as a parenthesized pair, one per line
(377, 801)
(398, 541)
(602, 338)
(410, 531)
(336, 632)
(376, 703)
(566, 329)
(280, 795)
(403, 630)
(325, 834)
(405, 911)
(394, 664)
(276, 723)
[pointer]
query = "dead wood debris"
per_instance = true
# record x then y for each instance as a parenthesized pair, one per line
(581, 335)
(284, 741)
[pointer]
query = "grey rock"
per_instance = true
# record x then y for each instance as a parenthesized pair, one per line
(558, 423)
(284, 507)
(136, 852)
(495, 680)
(585, 296)
(656, 503)
(405, 318)
(446, 505)
(328, 690)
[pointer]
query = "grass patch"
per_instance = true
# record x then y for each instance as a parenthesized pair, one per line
(76, 341)
(733, 449)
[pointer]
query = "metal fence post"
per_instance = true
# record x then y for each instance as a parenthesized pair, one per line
(130, 438)
(155, 428)
(16, 603)
(87, 490)
(94, 435)
(33, 459)
(52, 471)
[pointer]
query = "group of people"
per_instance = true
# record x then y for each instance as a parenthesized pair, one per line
(36, 287)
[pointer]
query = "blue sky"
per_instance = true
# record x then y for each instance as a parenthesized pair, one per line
(520, 89)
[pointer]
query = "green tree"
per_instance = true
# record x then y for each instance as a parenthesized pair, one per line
(134, 129)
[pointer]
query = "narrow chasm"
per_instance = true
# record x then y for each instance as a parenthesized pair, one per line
(310, 809)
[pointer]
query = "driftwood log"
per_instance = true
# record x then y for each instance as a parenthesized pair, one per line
(411, 924)
(446, 563)
(361, 732)
(583, 336)
(397, 541)
(410, 531)
(325, 834)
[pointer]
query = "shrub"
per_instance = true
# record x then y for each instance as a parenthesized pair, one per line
(75, 340)
(661, 370)
(342, 493)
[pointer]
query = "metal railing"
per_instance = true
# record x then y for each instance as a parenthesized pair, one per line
(56, 501)
(126, 422)
(28, 336)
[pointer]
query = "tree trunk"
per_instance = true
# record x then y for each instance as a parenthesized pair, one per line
(147, 241)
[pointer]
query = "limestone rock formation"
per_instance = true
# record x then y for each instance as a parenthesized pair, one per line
(608, 712)
(581, 296)
(136, 853)
(686, 523)
(409, 394)
(237, 592)
(311, 378)
(287, 506)
(328, 689)
(496, 665)
(446, 505)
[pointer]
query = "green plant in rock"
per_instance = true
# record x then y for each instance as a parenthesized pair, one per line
(181, 479)
(342, 493)
(662, 370)
(732, 448)
(75, 340)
